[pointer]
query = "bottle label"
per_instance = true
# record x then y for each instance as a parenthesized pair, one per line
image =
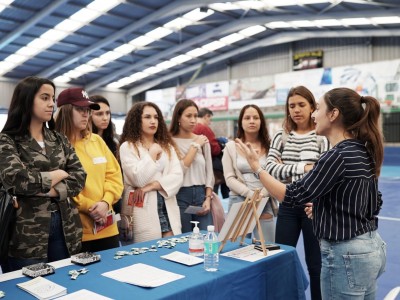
(211, 248)
(196, 246)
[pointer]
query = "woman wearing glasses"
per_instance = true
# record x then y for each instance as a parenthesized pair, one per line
(103, 185)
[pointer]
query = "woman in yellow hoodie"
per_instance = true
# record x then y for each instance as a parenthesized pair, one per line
(103, 185)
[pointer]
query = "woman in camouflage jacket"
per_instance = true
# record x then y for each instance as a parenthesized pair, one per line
(40, 167)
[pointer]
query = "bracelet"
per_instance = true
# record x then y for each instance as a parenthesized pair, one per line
(257, 173)
(209, 196)
(195, 145)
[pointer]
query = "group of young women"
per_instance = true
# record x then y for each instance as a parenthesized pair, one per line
(68, 179)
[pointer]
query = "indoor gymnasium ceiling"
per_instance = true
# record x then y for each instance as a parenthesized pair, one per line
(135, 45)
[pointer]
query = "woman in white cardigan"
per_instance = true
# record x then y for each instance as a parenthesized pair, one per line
(152, 174)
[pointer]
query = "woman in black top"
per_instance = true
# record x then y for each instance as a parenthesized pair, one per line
(343, 186)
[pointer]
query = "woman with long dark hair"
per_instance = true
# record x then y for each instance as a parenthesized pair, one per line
(41, 168)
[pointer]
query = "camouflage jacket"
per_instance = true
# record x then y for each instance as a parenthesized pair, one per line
(24, 172)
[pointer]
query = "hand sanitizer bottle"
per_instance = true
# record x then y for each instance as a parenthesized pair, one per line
(196, 241)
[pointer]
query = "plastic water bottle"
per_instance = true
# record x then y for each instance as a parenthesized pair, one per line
(211, 255)
(196, 241)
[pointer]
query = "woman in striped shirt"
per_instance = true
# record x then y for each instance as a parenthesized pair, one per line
(344, 190)
(294, 151)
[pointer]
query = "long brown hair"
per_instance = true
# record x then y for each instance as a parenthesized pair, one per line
(64, 123)
(360, 117)
(132, 130)
(180, 107)
(263, 134)
(288, 123)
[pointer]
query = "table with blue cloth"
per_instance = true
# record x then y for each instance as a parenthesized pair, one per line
(280, 276)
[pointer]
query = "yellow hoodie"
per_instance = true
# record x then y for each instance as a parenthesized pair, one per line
(103, 183)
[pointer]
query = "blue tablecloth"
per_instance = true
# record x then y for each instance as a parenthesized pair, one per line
(277, 277)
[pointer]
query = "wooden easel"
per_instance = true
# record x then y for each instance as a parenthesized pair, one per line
(243, 220)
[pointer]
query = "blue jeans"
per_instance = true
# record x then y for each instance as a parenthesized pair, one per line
(290, 223)
(350, 268)
(192, 195)
(57, 248)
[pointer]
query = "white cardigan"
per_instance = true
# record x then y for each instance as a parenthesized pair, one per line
(139, 171)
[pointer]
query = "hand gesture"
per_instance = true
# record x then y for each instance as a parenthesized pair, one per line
(201, 140)
(98, 211)
(250, 154)
(155, 151)
(308, 210)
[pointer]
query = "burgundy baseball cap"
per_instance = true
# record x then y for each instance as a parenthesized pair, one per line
(76, 97)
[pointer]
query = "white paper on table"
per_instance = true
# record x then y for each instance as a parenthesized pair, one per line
(248, 253)
(42, 288)
(143, 275)
(193, 209)
(84, 295)
(183, 258)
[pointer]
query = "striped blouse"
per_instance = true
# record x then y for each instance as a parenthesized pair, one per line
(297, 151)
(343, 187)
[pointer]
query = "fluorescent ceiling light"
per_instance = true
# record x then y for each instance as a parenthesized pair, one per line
(139, 75)
(98, 62)
(111, 55)
(386, 20)
(15, 58)
(251, 4)
(126, 80)
(103, 5)
(62, 79)
(141, 41)
(181, 58)
(40, 43)
(224, 6)
(252, 30)
(28, 51)
(278, 24)
(159, 33)
(54, 35)
(303, 23)
(232, 38)
(355, 21)
(152, 70)
(6, 66)
(125, 48)
(115, 84)
(85, 68)
(85, 14)
(197, 52)
(213, 46)
(73, 74)
(177, 23)
(69, 25)
(197, 15)
(166, 64)
(327, 22)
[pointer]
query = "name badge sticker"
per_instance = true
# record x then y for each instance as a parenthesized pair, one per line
(99, 160)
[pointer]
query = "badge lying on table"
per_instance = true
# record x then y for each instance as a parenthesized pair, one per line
(40, 269)
(85, 258)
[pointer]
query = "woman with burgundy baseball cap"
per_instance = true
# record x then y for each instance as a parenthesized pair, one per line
(103, 185)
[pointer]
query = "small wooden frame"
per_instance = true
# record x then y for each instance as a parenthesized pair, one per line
(240, 222)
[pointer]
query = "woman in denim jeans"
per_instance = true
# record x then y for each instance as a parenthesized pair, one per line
(294, 151)
(196, 161)
(343, 188)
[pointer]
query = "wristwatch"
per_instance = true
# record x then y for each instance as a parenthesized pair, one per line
(257, 172)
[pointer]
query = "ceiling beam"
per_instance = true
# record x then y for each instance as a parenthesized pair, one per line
(227, 28)
(31, 22)
(279, 38)
(173, 8)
